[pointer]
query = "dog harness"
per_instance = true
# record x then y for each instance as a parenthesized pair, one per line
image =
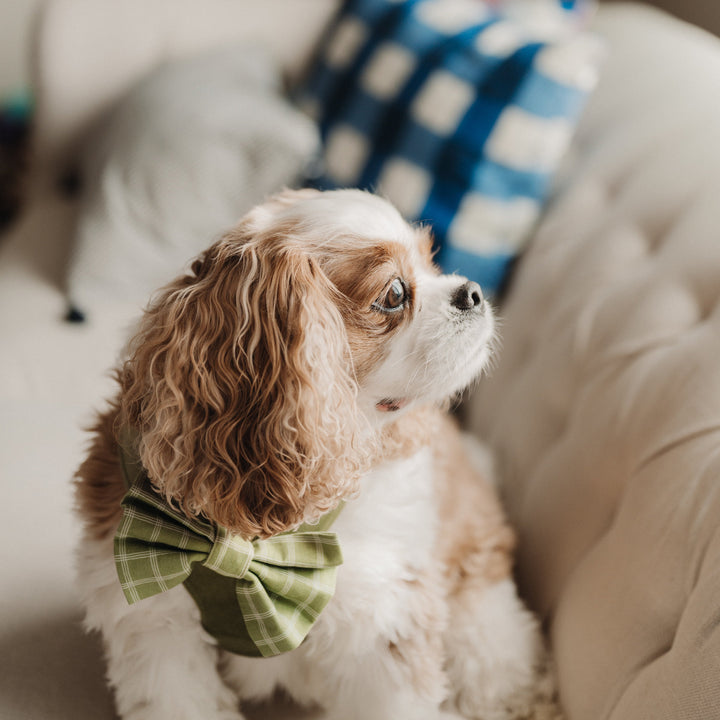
(257, 598)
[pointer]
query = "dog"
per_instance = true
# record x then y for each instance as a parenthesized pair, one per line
(302, 368)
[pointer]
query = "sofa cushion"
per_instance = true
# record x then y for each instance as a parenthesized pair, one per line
(132, 37)
(605, 404)
(456, 112)
(175, 163)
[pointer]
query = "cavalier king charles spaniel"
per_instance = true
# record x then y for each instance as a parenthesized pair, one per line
(302, 367)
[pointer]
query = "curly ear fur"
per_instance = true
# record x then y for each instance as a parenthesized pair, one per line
(239, 384)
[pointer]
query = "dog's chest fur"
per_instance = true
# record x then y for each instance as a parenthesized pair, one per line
(387, 535)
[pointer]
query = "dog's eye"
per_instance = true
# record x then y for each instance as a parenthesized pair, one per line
(394, 298)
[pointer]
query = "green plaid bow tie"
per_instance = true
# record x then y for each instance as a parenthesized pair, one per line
(279, 585)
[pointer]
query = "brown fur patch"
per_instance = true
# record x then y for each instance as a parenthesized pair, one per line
(474, 540)
(405, 436)
(361, 273)
(425, 245)
(239, 387)
(99, 484)
(475, 543)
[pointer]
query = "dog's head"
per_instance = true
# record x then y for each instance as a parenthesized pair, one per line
(258, 381)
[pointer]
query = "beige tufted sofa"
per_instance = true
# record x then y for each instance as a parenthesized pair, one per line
(604, 407)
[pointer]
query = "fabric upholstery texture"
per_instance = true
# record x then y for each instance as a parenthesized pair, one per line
(605, 404)
(455, 111)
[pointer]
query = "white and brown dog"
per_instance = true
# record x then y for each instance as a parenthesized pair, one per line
(305, 360)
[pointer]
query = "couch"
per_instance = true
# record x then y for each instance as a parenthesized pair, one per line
(603, 408)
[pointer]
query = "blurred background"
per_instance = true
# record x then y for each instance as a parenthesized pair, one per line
(705, 13)
(16, 23)
(16, 102)
(15, 27)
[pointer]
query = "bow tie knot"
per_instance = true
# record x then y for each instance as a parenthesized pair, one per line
(229, 555)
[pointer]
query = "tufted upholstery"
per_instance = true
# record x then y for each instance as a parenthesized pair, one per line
(605, 404)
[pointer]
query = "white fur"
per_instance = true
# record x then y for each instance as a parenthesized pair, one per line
(157, 649)
(349, 216)
(162, 664)
(440, 353)
(386, 535)
(495, 638)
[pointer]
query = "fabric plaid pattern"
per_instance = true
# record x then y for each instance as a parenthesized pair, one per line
(456, 112)
(281, 584)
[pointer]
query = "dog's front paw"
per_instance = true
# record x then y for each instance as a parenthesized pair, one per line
(536, 700)
(497, 664)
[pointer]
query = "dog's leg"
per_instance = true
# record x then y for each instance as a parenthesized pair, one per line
(379, 689)
(161, 664)
(399, 673)
(496, 662)
(374, 687)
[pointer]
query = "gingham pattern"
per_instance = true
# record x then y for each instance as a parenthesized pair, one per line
(457, 114)
(281, 584)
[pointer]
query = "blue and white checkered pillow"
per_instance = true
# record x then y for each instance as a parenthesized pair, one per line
(457, 114)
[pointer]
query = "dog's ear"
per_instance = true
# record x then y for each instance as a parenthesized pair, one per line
(239, 384)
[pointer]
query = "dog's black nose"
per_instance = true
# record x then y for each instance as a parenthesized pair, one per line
(467, 297)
